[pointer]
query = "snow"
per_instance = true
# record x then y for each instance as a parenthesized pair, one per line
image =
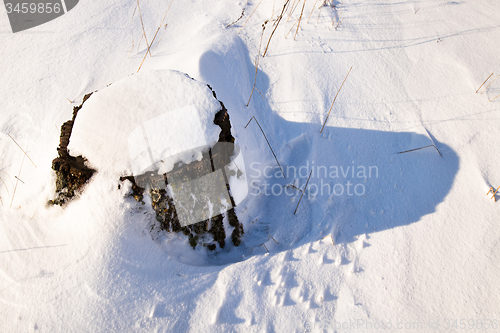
(124, 122)
(417, 244)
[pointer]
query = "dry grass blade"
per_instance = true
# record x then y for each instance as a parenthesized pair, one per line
(291, 28)
(273, 239)
(490, 84)
(319, 13)
(407, 151)
(494, 192)
(339, 20)
(293, 186)
(265, 137)
(15, 187)
(139, 46)
(143, 30)
(255, 79)
(312, 11)
(330, 235)
(130, 51)
(164, 33)
(278, 20)
(239, 18)
(338, 24)
(22, 150)
(154, 37)
(484, 82)
(292, 9)
(300, 17)
(328, 115)
(161, 24)
(132, 31)
(142, 62)
(310, 173)
(250, 17)
(265, 247)
(494, 98)
(260, 93)
(257, 65)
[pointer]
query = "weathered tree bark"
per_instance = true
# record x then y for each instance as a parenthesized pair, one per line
(71, 172)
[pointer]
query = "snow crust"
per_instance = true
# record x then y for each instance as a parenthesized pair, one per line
(155, 115)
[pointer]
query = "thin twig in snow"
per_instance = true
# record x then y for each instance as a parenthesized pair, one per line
(257, 65)
(292, 9)
(314, 6)
(291, 28)
(328, 115)
(265, 247)
(161, 38)
(300, 17)
(272, 239)
(277, 22)
(143, 30)
(319, 13)
(339, 20)
(484, 82)
(293, 186)
(265, 137)
(310, 173)
(330, 235)
(239, 18)
(15, 187)
(132, 31)
(490, 84)
(22, 150)
(139, 46)
(494, 98)
(492, 190)
(249, 17)
(161, 24)
(407, 151)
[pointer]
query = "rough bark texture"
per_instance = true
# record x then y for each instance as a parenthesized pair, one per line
(71, 171)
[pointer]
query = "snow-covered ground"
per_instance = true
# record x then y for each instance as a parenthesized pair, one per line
(416, 238)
